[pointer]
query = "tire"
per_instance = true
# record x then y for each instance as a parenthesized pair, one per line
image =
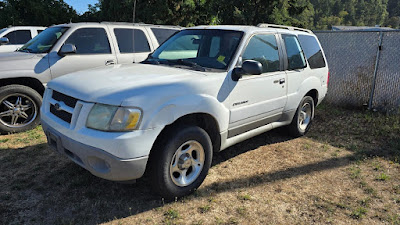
(19, 108)
(180, 162)
(303, 118)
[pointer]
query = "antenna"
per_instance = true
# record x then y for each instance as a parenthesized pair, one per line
(134, 11)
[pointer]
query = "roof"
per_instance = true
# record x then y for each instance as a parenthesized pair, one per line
(117, 23)
(264, 27)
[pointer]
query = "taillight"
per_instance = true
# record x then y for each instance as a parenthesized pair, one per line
(327, 81)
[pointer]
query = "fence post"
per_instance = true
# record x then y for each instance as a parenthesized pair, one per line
(378, 54)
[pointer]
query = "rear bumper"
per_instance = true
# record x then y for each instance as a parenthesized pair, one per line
(95, 160)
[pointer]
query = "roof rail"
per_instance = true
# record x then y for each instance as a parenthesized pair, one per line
(266, 25)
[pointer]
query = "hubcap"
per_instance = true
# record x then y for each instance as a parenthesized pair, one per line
(17, 110)
(305, 116)
(187, 163)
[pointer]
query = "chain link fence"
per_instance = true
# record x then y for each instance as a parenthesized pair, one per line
(364, 68)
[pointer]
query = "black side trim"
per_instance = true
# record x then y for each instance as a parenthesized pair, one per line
(251, 126)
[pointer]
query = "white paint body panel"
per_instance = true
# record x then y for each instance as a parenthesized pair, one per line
(13, 47)
(165, 94)
(45, 67)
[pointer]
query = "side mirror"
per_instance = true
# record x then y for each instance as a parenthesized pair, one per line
(4, 41)
(67, 49)
(250, 67)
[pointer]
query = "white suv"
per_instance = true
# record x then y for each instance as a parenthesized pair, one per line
(12, 38)
(63, 49)
(203, 90)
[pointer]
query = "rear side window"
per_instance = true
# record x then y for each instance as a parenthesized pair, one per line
(163, 34)
(39, 31)
(296, 59)
(131, 40)
(263, 48)
(313, 51)
(90, 41)
(19, 37)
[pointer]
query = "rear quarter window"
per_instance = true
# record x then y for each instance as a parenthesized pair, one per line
(163, 34)
(131, 40)
(312, 50)
(19, 37)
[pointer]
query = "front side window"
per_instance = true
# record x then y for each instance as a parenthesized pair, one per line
(19, 37)
(264, 49)
(90, 41)
(312, 50)
(212, 49)
(296, 59)
(163, 34)
(131, 40)
(44, 41)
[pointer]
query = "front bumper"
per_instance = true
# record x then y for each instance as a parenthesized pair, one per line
(95, 160)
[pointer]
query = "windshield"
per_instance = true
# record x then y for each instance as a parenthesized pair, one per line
(2, 30)
(212, 49)
(43, 42)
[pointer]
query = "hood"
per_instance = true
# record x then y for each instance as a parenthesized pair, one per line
(12, 56)
(12, 61)
(112, 85)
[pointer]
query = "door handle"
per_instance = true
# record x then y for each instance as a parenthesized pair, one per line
(110, 62)
(281, 81)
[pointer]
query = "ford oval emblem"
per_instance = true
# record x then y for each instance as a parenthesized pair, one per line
(57, 107)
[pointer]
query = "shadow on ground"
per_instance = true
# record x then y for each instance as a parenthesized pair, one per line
(39, 186)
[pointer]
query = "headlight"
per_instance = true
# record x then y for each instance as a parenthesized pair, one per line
(113, 118)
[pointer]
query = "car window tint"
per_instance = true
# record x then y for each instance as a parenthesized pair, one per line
(312, 50)
(185, 47)
(131, 40)
(39, 31)
(296, 59)
(215, 46)
(90, 41)
(19, 37)
(264, 49)
(163, 34)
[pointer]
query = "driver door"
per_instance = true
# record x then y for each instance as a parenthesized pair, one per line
(93, 50)
(257, 100)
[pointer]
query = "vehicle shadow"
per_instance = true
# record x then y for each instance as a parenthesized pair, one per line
(38, 184)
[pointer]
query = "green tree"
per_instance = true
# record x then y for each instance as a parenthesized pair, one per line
(36, 12)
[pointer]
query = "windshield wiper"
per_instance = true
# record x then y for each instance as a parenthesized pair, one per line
(194, 65)
(24, 50)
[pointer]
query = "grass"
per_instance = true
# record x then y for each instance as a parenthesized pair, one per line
(344, 171)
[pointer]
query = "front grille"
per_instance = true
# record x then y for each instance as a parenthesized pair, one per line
(68, 100)
(61, 114)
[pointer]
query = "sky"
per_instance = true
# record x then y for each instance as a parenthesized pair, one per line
(81, 6)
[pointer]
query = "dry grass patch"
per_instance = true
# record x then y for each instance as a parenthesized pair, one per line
(345, 171)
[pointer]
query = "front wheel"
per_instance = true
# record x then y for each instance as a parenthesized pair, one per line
(19, 108)
(302, 120)
(180, 164)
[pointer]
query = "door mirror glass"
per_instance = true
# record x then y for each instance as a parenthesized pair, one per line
(4, 41)
(67, 49)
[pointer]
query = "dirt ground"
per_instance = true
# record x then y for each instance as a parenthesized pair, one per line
(344, 171)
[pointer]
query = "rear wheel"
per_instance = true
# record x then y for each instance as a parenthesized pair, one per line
(302, 120)
(19, 108)
(180, 164)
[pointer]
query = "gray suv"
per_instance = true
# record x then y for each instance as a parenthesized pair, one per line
(63, 49)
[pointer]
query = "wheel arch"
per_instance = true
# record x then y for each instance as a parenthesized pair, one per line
(313, 93)
(202, 120)
(33, 83)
